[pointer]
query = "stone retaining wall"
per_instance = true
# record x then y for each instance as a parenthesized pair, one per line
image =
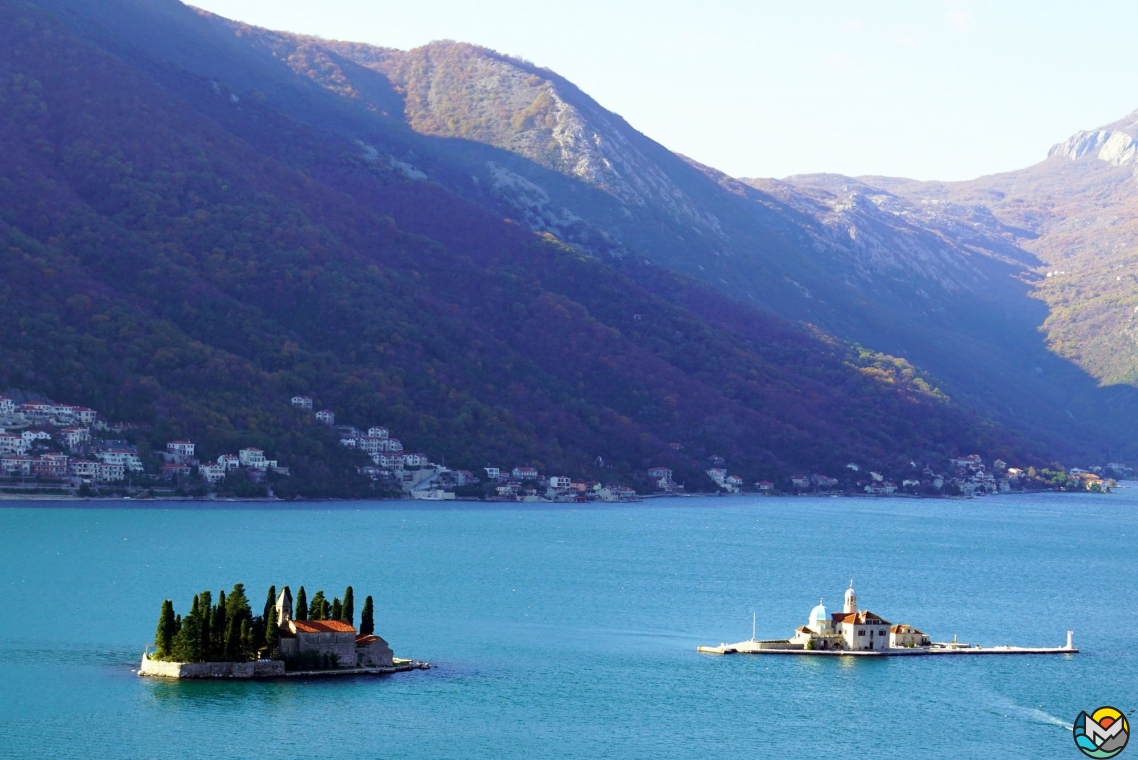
(255, 669)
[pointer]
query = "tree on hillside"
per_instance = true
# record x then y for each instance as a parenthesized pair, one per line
(301, 605)
(316, 606)
(367, 621)
(348, 612)
(164, 636)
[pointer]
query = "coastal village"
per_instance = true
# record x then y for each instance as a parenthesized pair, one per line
(48, 447)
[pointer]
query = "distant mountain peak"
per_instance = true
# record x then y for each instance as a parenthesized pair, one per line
(1114, 143)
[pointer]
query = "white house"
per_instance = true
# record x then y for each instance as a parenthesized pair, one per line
(302, 402)
(31, 436)
(180, 449)
(718, 474)
(372, 444)
(84, 468)
(415, 460)
(525, 473)
(7, 406)
(493, 472)
(16, 464)
(229, 461)
(10, 443)
(111, 472)
(378, 432)
(74, 436)
(388, 460)
(800, 481)
(255, 458)
(211, 473)
(326, 416)
(120, 457)
(559, 482)
(84, 415)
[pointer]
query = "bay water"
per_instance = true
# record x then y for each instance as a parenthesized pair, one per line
(571, 631)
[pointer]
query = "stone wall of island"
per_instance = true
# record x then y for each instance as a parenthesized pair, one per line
(253, 669)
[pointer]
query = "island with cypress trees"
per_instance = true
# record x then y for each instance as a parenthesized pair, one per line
(224, 639)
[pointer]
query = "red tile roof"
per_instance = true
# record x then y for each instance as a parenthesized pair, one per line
(363, 641)
(861, 617)
(322, 626)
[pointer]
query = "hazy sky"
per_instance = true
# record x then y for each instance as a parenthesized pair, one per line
(935, 89)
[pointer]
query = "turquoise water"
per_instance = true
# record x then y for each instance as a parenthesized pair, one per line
(571, 633)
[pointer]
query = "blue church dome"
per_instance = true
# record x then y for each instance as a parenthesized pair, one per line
(819, 613)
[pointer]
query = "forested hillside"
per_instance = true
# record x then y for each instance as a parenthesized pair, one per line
(183, 254)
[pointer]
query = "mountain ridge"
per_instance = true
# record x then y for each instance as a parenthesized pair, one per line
(185, 255)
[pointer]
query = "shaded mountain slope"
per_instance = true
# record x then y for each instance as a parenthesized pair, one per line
(1077, 212)
(184, 255)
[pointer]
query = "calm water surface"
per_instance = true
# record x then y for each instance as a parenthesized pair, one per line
(571, 633)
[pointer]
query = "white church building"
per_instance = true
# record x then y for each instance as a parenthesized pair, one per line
(854, 630)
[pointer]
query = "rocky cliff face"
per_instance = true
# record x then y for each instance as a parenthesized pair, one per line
(460, 90)
(1113, 144)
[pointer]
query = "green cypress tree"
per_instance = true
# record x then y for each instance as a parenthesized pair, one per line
(248, 651)
(271, 603)
(325, 610)
(316, 606)
(272, 636)
(164, 636)
(367, 619)
(234, 639)
(187, 643)
(337, 609)
(205, 618)
(237, 611)
(237, 605)
(218, 629)
(348, 613)
(301, 605)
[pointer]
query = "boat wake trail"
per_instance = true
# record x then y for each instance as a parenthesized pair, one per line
(1030, 714)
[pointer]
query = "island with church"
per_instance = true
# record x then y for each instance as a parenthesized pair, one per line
(224, 639)
(854, 632)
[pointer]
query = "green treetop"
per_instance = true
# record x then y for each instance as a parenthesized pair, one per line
(367, 621)
(164, 636)
(270, 603)
(301, 605)
(218, 628)
(337, 609)
(348, 612)
(272, 635)
(316, 606)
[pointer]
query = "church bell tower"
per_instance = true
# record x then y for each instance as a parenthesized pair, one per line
(850, 604)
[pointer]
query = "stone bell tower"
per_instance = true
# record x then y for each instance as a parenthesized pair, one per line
(850, 604)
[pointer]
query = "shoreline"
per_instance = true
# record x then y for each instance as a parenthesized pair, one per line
(640, 498)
